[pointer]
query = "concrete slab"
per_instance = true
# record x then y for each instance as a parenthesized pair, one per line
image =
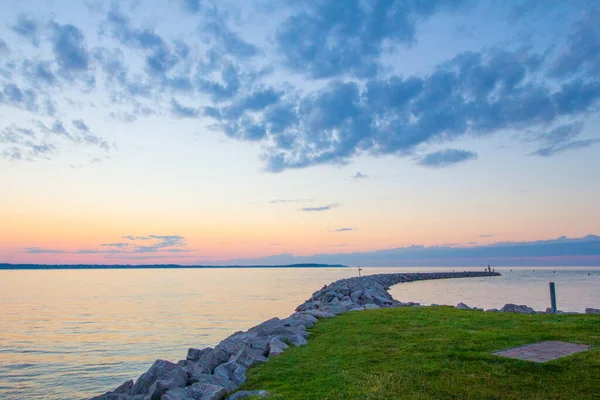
(543, 351)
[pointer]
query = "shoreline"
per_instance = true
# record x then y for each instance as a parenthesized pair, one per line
(214, 373)
(49, 267)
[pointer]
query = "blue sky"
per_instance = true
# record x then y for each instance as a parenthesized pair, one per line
(255, 128)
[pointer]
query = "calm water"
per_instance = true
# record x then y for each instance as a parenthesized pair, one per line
(71, 334)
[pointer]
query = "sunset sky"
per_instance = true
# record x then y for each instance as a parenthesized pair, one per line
(199, 132)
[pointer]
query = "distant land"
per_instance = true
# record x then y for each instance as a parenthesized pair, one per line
(156, 266)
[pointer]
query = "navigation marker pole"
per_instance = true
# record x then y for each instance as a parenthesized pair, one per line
(553, 296)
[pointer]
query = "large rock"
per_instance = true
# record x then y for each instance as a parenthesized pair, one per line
(276, 347)
(319, 314)
(175, 379)
(247, 357)
(592, 310)
(463, 306)
(522, 309)
(232, 371)
(304, 318)
(197, 391)
(217, 379)
(297, 340)
(195, 354)
(161, 369)
(242, 394)
(211, 359)
(116, 396)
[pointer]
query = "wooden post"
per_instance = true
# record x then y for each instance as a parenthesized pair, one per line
(553, 296)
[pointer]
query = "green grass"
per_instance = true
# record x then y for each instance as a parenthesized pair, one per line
(433, 353)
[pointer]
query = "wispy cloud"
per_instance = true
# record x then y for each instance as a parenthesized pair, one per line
(117, 245)
(137, 244)
(359, 175)
(487, 235)
(289, 201)
(343, 230)
(446, 158)
(37, 250)
(321, 208)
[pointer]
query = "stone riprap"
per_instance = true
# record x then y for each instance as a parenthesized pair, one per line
(213, 373)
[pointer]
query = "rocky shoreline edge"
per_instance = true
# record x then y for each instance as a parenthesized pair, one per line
(215, 373)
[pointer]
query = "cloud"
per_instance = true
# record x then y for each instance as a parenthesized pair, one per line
(323, 39)
(4, 49)
(321, 208)
(582, 53)
(40, 73)
(446, 158)
(576, 144)
(25, 99)
(343, 230)
(117, 245)
(191, 6)
(215, 29)
(181, 111)
(359, 175)
(18, 144)
(81, 125)
(347, 103)
(160, 58)
(150, 244)
(486, 236)
(561, 139)
(69, 48)
(28, 28)
(288, 201)
(159, 243)
(472, 94)
(37, 250)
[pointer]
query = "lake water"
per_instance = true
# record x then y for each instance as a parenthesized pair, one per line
(68, 334)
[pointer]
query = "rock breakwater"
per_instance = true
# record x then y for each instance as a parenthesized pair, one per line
(214, 373)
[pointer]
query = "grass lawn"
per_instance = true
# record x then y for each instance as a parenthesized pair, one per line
(433, 353)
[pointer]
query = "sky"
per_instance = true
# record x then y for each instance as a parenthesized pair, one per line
(383, 132)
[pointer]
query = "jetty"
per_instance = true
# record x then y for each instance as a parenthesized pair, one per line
(216, 373)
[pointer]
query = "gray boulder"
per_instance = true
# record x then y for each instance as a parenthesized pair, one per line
(115, 396)
(242, 394)
(297, 340)
(319, 314)
(177, 378)
(217, 379)
(212, 358)
(522, 309)
(355, 296)
(124, 388)
(232, 371)
(195, 354)
(306, 319)
(205, 391)
(161, 369)
(371, 306)
(247, 357)
(176, 394)
(592, 310)
(276, 347)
